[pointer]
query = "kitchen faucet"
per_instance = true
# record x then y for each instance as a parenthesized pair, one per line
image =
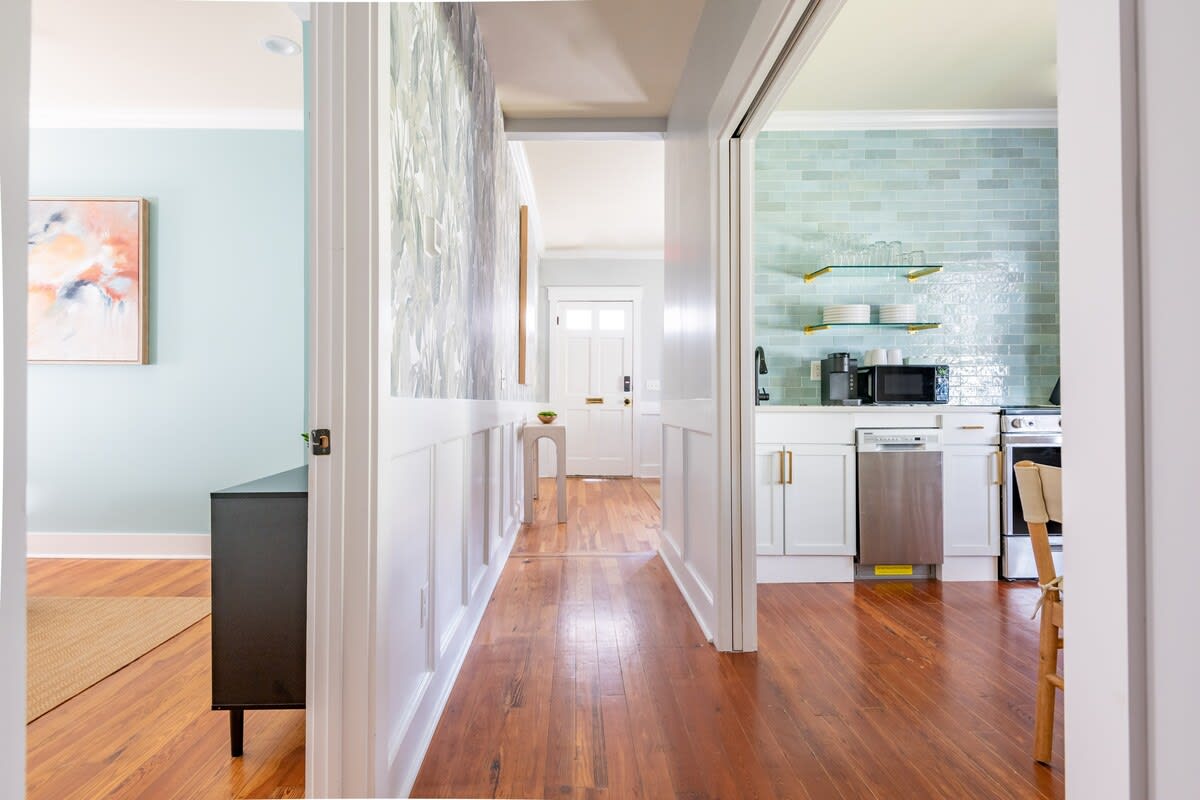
(760, 368)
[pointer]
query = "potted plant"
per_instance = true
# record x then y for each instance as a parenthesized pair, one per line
(547, 416)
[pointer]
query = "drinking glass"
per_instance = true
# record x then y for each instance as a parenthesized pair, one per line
(917, 258)
(895, 250)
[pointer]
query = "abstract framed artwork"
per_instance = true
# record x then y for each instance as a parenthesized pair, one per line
(87, 280)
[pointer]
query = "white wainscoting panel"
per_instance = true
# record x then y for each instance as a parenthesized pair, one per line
(689, 529)
(478, 529)
(449, 568)
(673, 523)
(450, 505)
(404, 649)
(649, 460)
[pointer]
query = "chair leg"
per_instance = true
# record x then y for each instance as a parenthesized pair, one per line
(1043, 715)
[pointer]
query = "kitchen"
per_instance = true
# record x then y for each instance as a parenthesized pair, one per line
(906, 313)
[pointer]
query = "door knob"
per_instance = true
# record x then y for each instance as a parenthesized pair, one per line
(628, 402)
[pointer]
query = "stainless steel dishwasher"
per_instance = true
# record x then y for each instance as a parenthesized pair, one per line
(899, 501)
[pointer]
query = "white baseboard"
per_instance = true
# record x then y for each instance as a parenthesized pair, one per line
(805, 569)
(649, 471)
(118, 545)
(690, 586)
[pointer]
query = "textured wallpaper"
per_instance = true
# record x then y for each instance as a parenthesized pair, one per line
(982, 202)
(455, 208)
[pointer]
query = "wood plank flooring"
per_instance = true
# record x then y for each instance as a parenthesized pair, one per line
(147, 731)
(589, 678)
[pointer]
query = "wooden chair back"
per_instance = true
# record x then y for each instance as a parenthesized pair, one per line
(1040, 489)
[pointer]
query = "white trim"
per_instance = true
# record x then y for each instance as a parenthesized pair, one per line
(272, 119)
(590, 294)
(585, 254)
(344, 344)
(529, 192)
(694, 586)
(53, 544)
(968, 568)
(600, 129)
(1103, 357)
(912, 119)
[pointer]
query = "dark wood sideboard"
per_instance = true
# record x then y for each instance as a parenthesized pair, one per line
(259, 596)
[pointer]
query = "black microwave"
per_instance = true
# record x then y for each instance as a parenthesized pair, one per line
(911, 383)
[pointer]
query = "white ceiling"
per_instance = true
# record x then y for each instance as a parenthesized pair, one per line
(591, 58)
(162, 55)
(931, 54)
(599, 195)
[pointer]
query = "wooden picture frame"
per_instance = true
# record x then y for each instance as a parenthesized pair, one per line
(79, 253)
(523, 301)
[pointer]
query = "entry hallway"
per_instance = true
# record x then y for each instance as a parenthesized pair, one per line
(590, 678)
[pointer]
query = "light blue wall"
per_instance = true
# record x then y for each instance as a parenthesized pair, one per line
(138, 448)
(982, 202)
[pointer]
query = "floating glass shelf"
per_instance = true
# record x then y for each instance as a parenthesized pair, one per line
(912, 327)
(914, 274)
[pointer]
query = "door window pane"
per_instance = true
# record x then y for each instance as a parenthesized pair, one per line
(579, 319)
(612, 319)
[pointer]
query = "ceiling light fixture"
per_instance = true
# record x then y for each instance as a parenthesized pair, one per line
(281, 46)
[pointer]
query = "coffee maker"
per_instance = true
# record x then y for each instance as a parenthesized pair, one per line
(839, 380)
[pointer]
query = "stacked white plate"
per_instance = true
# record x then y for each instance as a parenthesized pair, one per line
(846, 314)
(898, 312)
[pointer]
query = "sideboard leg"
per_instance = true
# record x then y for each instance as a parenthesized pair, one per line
(236, 721)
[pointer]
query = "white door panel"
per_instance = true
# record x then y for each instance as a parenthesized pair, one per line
(594, 351)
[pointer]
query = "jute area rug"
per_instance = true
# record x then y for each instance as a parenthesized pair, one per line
(76, 642)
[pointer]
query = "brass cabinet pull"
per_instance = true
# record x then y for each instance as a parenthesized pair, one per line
(791, 473)
(970, 427)
(782, 474)
(591, 401)
(999, 468)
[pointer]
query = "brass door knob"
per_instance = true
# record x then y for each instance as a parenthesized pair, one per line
(628, 402)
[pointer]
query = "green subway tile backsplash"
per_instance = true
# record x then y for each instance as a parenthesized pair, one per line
(984, 203)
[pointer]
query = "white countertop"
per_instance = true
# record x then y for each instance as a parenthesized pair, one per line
(926, 408)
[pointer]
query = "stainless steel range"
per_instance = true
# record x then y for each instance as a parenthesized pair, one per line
(1027, 434)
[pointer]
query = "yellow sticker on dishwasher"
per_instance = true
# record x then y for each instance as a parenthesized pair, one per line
(893, 569)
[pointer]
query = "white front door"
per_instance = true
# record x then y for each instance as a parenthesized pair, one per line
(592, 384)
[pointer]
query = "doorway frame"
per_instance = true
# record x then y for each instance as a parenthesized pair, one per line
(600, 294)
(1101, 335)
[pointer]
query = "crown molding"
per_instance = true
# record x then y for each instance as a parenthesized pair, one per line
(529, 193)
(587, 129)
(596, 254)
(211, 118)
(916, 119)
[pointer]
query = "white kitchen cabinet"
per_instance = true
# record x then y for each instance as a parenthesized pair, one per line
(805, 499)
(971, 500)
(819, 500)
(768, 498)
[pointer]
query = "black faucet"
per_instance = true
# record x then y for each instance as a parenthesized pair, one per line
(760, 368)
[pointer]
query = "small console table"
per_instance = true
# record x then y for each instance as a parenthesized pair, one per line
(259, 596)
(557, 433)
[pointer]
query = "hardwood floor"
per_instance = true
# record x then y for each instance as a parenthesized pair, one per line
(603, 516)
(147, 731)
(589, 678)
